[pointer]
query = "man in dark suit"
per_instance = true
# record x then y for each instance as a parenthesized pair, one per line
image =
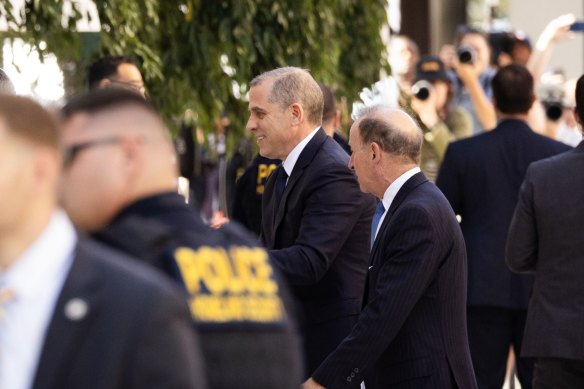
(74, 314)
(412, 330)
(315, 221)
(123, 191)
(480, 176)
(545, 238)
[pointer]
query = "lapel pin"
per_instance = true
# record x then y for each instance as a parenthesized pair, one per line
(76, 309)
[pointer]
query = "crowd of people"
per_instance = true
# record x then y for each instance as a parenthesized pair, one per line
(414, 254)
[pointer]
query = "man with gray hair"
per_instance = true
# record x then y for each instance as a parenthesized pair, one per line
(315, 221)
(412, 330)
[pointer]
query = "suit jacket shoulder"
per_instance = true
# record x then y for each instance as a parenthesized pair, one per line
(113, 306)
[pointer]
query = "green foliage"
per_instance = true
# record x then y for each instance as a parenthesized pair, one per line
(195, 53)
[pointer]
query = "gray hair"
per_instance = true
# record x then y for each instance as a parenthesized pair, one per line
(294, 85)
(374, 126)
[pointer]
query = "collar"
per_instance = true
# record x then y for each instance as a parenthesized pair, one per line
(147, 205)
(291, 159)
(395, 186)
(49, 256)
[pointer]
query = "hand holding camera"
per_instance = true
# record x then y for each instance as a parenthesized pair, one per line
(424, 103)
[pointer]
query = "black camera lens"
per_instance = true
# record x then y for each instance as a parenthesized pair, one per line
(421, 90)
(553, 110)
(466, 55)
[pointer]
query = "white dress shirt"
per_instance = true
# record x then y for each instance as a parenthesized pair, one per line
(291, 159)
(36, 279)
(392, 190)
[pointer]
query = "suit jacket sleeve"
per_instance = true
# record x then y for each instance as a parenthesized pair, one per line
(167, 354)
(407, 269)
(448, 180)
(333, 203)
(521, 249)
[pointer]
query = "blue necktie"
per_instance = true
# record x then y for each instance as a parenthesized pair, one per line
(379, 211)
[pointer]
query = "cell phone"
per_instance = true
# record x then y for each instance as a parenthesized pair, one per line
(577, 26)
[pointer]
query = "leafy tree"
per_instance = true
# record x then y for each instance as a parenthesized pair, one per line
(200, 54)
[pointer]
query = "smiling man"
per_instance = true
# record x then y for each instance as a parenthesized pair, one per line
(316, 222)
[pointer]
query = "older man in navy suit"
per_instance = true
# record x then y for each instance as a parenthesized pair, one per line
(412, 330)
(480, 176)
(315, 221)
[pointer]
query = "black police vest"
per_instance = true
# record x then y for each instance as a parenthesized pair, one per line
(236, 299)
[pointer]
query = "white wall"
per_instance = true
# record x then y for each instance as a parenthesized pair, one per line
(531, 16)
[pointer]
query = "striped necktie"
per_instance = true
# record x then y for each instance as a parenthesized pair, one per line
(379, 211)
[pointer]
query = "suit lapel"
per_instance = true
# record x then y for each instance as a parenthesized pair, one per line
(401, 195)
(305, 158)
(76, 306)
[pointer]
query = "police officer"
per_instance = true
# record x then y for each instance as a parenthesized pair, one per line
(119, 184)
(246, 206)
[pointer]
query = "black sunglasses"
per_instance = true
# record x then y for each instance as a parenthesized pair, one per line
(71, 152)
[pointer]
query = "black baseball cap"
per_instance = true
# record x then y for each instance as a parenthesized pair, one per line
(431, 68)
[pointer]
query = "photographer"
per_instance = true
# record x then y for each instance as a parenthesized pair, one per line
(471, 77)
(556, 96)
(431, 93)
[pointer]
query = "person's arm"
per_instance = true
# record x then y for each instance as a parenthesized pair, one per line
(333, 205)
(483, 106)
(555, 31)
(410, 264)
(521, 248)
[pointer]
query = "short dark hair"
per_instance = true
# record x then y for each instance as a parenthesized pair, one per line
(513, 89)
(100, 100)
(329, 108)
(105, 67)
(580, 99)
(27, 119)
(390, 139)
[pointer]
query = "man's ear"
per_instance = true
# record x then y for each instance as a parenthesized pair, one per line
(296, 114)
(375, 152)
(104, 83)
(133, 155)
(337, 120)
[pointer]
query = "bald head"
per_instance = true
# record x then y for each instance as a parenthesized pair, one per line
(393, 130)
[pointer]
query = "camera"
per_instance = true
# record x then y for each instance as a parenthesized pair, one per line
(552, 97)
(466, 55)
(422, 89)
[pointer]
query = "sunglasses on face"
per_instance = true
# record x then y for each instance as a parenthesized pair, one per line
(72, 151)
(129, 85)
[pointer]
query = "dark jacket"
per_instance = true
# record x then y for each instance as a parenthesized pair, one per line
(135, 333)
(246, 205)
(545, 237)
(319, 236)
(412, 331)
(481, 176)
(227, 277)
